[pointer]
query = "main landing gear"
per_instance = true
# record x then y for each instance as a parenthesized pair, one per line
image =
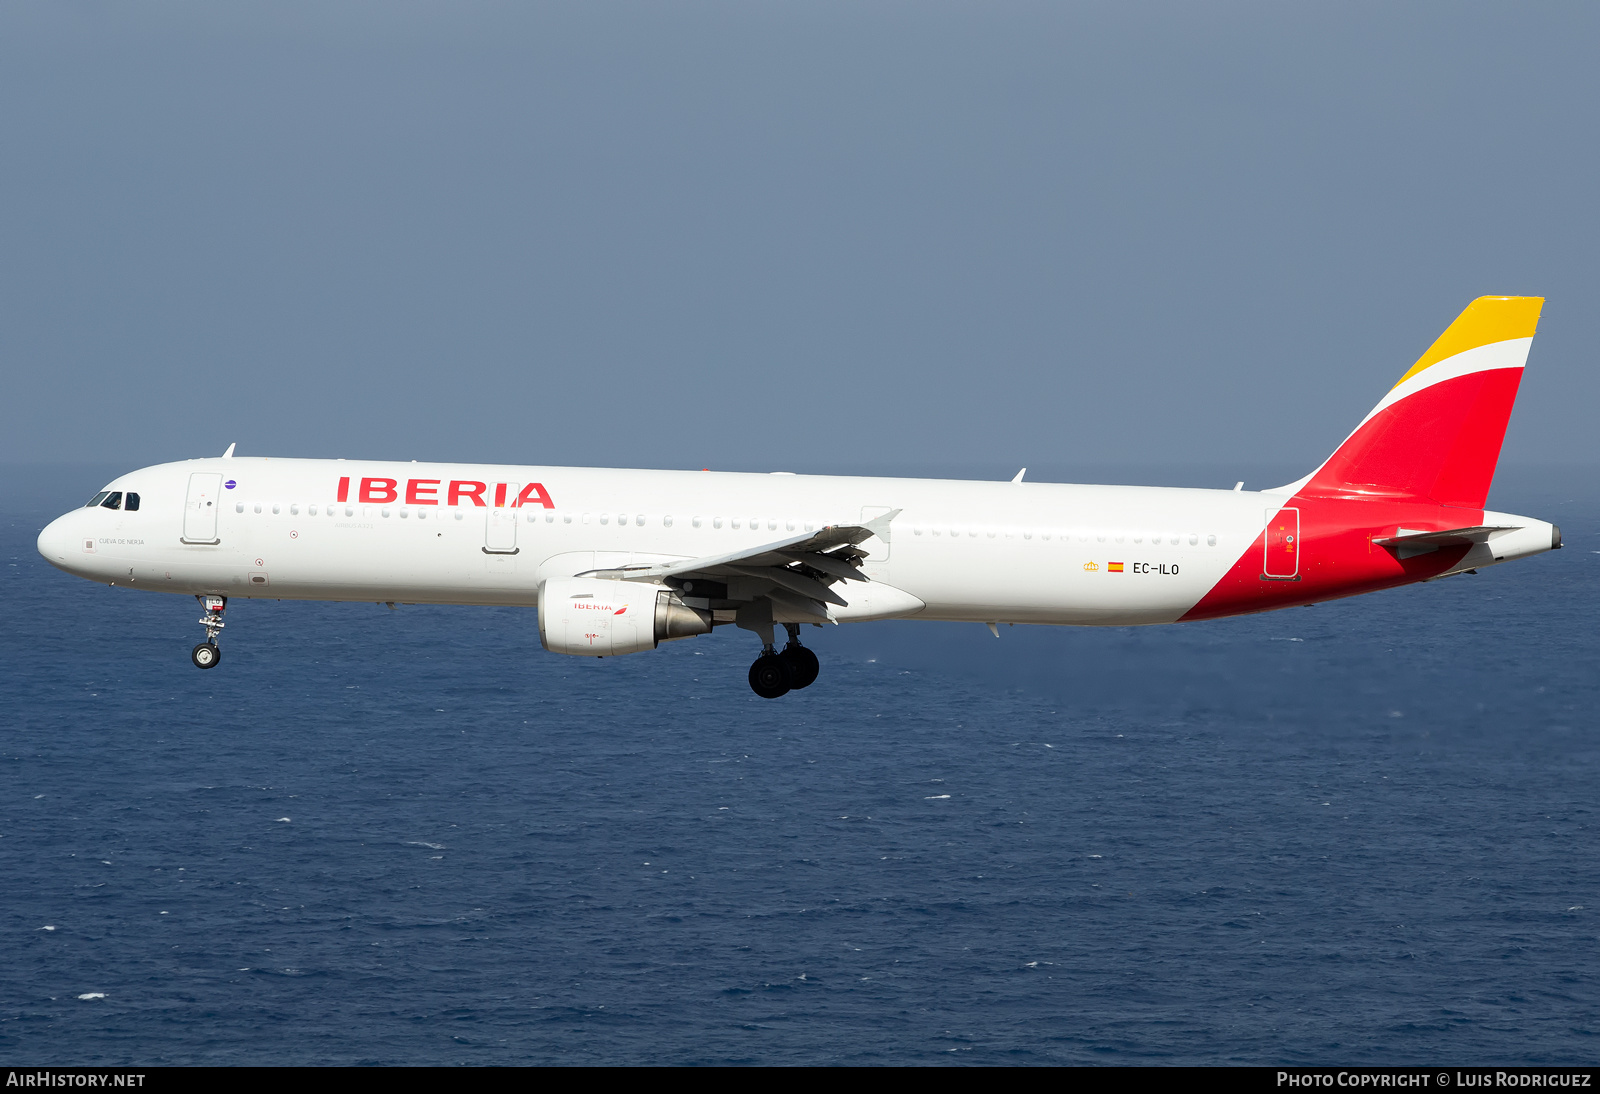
(207, 654)
(774, 673)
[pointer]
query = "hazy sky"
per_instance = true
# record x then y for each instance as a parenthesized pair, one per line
(810, 236)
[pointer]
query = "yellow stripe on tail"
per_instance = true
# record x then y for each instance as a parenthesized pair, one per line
(1487, 319)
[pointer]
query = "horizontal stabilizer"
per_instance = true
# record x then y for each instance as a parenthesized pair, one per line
(1408, 543)
(1453, 537)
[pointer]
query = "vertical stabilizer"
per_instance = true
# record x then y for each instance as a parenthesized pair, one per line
(1437, 434)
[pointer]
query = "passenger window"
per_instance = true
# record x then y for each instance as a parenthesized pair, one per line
(605, 518)
(275, 510)
(238, 507)
(130, 504)
(97, 499)
(716, 522)
(666, 521)
(1193, 540)
(113, 500)
(258, 507)
(1211, 541)
(311, 510)
(294, 510)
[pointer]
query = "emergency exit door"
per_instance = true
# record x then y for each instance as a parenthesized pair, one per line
(200, 508)
(500, 533)
(877, 547)
(1282, 562)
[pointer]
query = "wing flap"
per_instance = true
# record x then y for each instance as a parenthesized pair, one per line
(795, 582)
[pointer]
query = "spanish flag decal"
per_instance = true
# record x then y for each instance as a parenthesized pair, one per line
(1114, 567)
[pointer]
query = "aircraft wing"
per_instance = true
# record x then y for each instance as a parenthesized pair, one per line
(796, 573)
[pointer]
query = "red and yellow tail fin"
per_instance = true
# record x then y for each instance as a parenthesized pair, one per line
(1437, 434)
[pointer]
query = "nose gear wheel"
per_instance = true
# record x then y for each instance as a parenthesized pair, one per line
(207, 654)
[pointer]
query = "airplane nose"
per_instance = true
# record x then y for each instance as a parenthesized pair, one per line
(56, 541)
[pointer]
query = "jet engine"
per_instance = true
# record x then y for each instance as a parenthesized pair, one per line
(591, 617)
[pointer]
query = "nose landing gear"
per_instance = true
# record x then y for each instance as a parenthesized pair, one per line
(775, 674)
(207, 654)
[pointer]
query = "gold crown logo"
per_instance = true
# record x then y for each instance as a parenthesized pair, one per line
(1091, 566)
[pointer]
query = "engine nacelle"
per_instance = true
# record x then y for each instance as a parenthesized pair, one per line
(589, 617)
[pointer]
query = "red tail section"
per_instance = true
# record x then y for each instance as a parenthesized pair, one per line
(1432, 442)
(1437, 434)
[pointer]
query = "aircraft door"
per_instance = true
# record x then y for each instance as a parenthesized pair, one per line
(877, 547)
(200, 508)
(500, 533)
(1282, 562)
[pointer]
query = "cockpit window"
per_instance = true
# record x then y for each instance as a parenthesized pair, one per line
(131, 503)
(97, 499)
(113, 500)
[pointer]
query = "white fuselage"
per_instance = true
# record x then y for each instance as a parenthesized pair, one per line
(957, 550)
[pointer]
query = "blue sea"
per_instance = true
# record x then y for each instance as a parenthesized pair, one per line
(1363, 832)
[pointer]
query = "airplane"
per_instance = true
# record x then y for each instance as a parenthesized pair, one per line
(618, 561)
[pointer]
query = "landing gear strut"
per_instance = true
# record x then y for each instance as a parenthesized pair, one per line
(207, 654)
(775, 674)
